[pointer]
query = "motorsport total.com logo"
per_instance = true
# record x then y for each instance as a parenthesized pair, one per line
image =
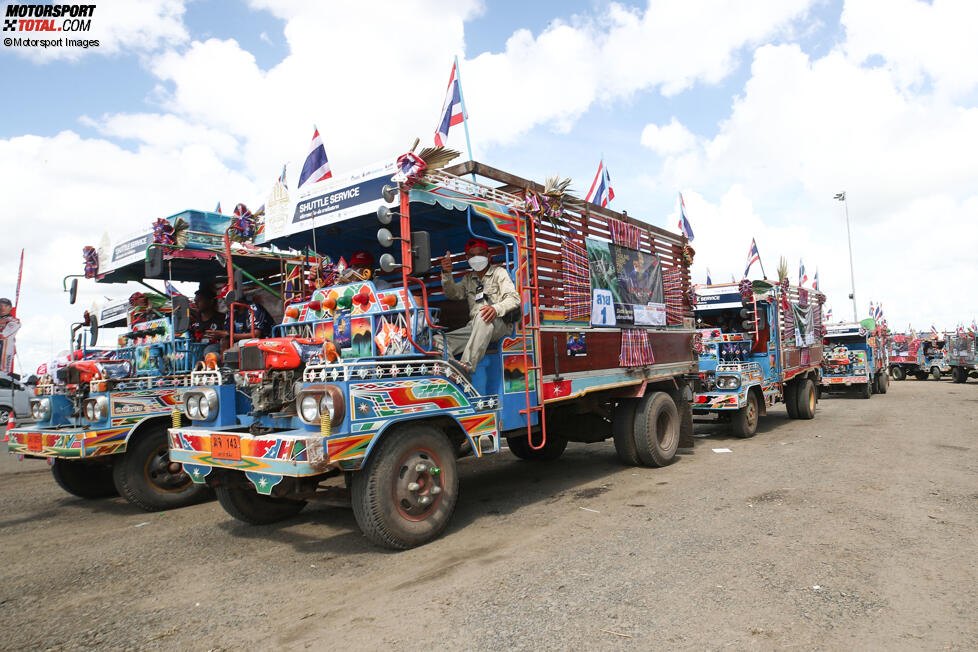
(45, 19)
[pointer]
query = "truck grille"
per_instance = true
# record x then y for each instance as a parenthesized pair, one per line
(252, 359)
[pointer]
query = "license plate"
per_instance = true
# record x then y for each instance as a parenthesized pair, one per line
(34, 442)
(226, 447)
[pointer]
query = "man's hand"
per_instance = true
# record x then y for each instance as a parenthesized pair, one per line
(212, 334)
(488, 314)
(446, 263)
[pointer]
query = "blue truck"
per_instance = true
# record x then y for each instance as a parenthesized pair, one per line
(855, 360)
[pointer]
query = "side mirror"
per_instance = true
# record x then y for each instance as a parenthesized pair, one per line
(388, 192)
(385, 237)
(93, 330)
(154, 262)
(181, 314)
(73, 291)
(237, 295)
(388, 264)
(420, 252)
(384, 215)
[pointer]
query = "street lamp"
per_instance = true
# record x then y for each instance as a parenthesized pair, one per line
(852, 276)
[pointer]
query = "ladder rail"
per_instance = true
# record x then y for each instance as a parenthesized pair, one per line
(530, 327)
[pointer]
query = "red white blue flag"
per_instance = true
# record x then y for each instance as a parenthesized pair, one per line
(709, 281)
(828, 315)
(752, 256)
(316, 167)
(933, 330)
(601, 191)
(802, 276)
(451, 110)
(171, 291)
(281, 177)
(218, 209)
(684, 225)
(815, 282)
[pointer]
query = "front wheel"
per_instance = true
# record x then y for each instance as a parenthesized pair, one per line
(806, 399)
(866, 390)
(246, 504)
(745, 420)
(406, 493)
(84, 479)
(935, 373)
(5, 413)
(882, 383)
(146, 478)
(551, 450)
(898, 373)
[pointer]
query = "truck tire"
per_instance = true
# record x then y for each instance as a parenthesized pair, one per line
(744, 423)
(898, 373)
(144, 478)
(247, 505)
(865, 390)
(806, 399)
(882, 383)
(552, 448)
(959, 375)
(389, 512)
(84, 479)
(791, 398)
(935, 373)
(622, 428)
(920, 375)
(656, 429)
(5, 413)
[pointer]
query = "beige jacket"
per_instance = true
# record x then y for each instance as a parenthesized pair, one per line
(500, 293)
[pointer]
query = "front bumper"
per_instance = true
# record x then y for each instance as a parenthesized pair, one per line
(846, 381)
(67, 443)
(717, 401)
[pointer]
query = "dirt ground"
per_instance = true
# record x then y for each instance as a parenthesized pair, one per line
(858, 530)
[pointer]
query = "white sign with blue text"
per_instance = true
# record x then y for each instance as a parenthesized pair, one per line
(602, 308)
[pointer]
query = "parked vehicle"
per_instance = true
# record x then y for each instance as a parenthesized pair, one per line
(351, 385)
(102, 419)
(14, 399)
(915, 356)
(962, 357)
(855, 360)
(761, 345)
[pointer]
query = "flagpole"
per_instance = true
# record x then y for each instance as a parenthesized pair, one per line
(465, 112)
(20, 276)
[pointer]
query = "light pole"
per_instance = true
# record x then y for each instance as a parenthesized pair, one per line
(852, 275)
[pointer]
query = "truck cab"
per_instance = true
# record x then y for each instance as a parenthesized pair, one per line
(854, 360)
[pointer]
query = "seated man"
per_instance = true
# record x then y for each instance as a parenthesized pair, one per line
(206, 318)
(241, 328)
(491, 296)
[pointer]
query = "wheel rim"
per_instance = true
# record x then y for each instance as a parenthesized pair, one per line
(418, 485)
(158, 475)
(4, 416)
(811, 399)
(751, 413)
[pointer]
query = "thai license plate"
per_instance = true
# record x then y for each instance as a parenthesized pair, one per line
(226, 447)
(34, 442)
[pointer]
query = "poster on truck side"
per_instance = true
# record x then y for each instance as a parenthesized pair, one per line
(632, 278)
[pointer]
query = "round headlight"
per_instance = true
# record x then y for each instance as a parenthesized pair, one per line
(44, 409)
(90, 410)
(205, 409)
(327, 404)
(309, 408)
(100, 410)
(193, 406)
(36, 410)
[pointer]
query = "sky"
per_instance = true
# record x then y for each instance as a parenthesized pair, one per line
(758, 112)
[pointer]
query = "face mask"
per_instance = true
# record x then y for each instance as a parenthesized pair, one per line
(478, 263)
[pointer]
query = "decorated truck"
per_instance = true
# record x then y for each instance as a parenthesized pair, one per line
(855, 359)
(920, 357)
(101, 420)
(352, 402)
(962, 356)
(760, 344)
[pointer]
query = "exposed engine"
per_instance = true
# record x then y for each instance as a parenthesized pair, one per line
(269, 370)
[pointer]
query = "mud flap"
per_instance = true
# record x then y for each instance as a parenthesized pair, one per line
(685, 409)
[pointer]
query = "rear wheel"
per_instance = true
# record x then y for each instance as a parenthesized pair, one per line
(935, 373)
(865, 390)
(622, 427)
(882, 383)
(898, 373)
(656, 429)
(552, 448)
(791, 398)
(84, 479)
(920, 375)
(959, 375)
(5, 413)
(745, 420)
(806, 399)
(146, 478)
(246, 504)
(406, 493)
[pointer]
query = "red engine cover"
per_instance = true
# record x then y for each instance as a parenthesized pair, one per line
(279, 352)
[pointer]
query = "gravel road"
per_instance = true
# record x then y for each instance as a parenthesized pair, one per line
(858, 530)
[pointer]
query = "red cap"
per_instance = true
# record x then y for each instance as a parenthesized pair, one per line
(362, 259)
(476, 242)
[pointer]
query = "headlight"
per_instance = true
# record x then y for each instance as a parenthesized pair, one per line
(101, 409)
(193, 406)
(44, 409)
(309, 408)
(204, 409)
(36, 410)
(728, 382)
(327, 404)
(90, 410)
(201, 403)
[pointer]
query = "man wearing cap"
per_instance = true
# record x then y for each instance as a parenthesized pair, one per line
(362, 262)
(491, 296)
(9, 325)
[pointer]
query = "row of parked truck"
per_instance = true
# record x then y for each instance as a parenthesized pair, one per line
(349, 401)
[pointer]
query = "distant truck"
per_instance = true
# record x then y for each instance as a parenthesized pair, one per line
(855, 360)
(916, 356)
(962, 357)
(761, 345)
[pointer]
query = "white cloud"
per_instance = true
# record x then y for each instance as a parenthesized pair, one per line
(163, 131)
(120, 26)
(672, 138)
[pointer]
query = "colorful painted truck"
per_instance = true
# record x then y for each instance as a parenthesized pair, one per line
(855, 360)
(761, 344)
(376, 404)
(962, 356)
(915, 356)
(102, 419)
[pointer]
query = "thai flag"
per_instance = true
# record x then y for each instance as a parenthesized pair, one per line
(601, 191)
(451, 110)
(218, 209)
(933, 330)
(316, 167)
(683, 222)
(281, 177)
(802, 276)
(828, 315)
(879, 312)
(709, 281)
(752, 256)
(170, 290)
(815, 281)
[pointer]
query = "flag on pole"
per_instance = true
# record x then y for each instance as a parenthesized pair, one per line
(828, 315)
(933, 330)
(815, 280)
(709, 281)
(451, 111)
(20, 276)
(878, 315)
(601, 191)
(684, 226)
(218, 209)
(316, 167)
(170, 290)
(732, 279)
(872, 309)
(281, 177)
(753, 256)
(802, 276)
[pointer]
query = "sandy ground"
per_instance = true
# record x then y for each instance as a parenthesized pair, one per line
(858, 530)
